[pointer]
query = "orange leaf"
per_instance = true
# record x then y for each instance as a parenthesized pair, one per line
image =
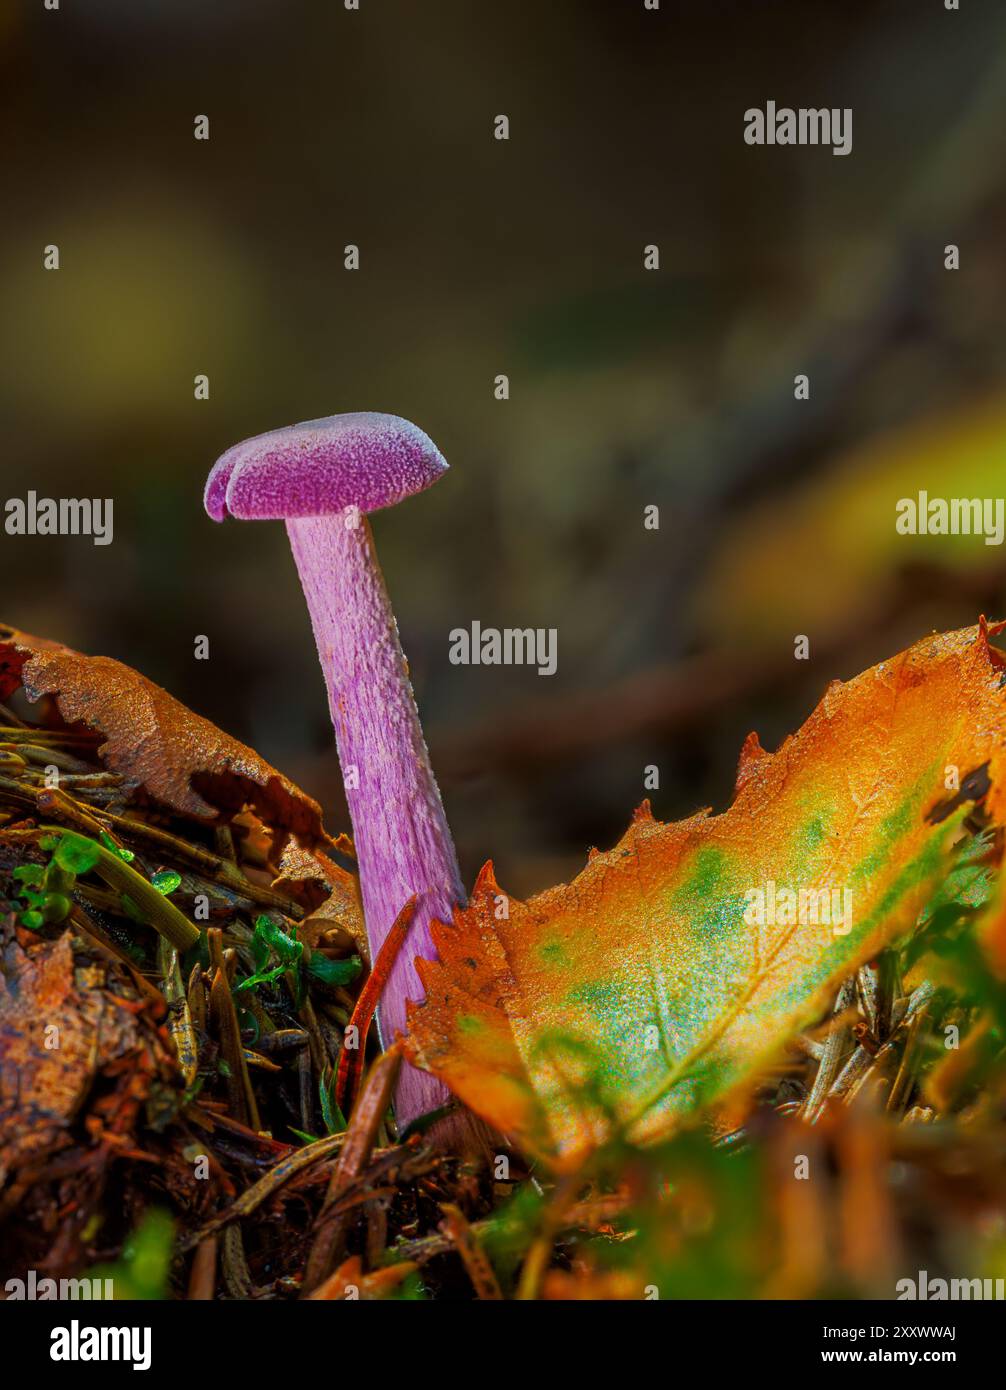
(679, 962)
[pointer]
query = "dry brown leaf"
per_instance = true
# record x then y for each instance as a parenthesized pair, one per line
(54, 1039)
(329, 892)
(179, 759)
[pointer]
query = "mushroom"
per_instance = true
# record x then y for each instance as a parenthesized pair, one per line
(322, 478)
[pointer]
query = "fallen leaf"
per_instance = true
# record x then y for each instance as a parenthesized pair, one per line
(330, 893)
(646, 989)
(54, 1039)
(180, 759)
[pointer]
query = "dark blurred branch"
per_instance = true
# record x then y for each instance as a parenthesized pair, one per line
(670, 699)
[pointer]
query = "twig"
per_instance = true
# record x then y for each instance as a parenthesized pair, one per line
(910, 1060)
(270, 1184)
(836, 1045)
(219, 869)
(90, 930)
(851, 1074)
(224, 1016)
(179, 1019)
(203, 1275)
(473, 1257)
(161, 913)
(351, 1059)
(363, 1126)
(235, 1267)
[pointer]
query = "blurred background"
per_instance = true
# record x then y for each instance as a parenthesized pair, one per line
(628, 388)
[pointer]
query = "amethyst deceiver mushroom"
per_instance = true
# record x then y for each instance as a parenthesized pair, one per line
(321, 478)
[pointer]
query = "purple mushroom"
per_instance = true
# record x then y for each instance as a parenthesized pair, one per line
(321, 478)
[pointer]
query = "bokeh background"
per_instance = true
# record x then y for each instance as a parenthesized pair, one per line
(628, 388)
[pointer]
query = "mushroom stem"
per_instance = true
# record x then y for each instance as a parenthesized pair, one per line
(403, 843)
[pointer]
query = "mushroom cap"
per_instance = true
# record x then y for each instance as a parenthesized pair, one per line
(365, 460)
